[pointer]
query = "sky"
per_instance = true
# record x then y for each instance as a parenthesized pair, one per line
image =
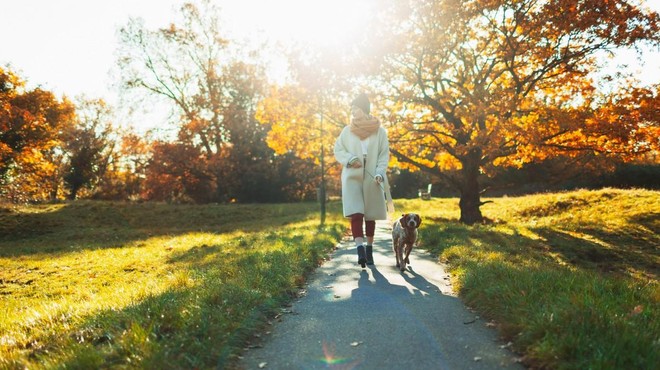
(68, 46)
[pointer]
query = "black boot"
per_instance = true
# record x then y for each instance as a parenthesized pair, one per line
(362, 259)
(370, 254)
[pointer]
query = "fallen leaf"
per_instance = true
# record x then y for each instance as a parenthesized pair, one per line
(263, 365)
(506, 345)
(637, 310)
(355, 344)
(477, 359)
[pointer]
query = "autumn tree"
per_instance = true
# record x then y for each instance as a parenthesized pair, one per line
(305, 122)
(482, 84)
(134, 155)
(30, 123)
(307, 113)
(89, 146)
(213, 85)
(178, 172)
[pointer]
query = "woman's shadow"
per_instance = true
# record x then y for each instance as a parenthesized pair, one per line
(373, 287)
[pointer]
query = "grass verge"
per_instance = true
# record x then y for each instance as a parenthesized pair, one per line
(570, 278)
(116, 285)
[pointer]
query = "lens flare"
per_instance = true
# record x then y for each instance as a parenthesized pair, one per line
(333, 362)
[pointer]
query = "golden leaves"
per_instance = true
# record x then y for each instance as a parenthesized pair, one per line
(302, 122)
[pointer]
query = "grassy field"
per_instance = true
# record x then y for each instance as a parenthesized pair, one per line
(571, 279)
(91, 285)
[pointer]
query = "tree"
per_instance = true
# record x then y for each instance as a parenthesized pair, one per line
(88, 146)
(214, 87)
(483, 84)
(307, 114)
(305, 123)
(178, 172)
(30, 122)
(134, 154)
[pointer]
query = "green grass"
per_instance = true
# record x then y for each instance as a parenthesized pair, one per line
(570, 278)
(118, 285)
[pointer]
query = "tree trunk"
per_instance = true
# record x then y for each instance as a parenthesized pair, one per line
(73, 194)
(470, 195)
(322, 187)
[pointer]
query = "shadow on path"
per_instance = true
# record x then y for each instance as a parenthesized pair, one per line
(379, 318)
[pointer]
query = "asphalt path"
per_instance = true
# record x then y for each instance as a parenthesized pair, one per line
(379, 318)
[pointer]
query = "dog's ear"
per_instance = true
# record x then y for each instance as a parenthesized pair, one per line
(418, 219)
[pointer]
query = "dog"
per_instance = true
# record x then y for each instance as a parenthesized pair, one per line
(404, 237)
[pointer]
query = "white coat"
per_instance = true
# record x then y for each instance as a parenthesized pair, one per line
(359, 191)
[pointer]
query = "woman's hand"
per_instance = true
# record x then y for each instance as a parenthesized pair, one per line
(355, 163)
(378, 179)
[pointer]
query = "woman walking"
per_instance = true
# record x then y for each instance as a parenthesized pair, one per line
(363, 150)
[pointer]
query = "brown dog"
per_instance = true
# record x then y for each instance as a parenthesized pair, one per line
(404, 236)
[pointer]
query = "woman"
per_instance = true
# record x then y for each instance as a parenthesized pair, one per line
(363, 150)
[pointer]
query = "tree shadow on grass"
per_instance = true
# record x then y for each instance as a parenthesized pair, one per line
(505, 271)
(631, 253)
(64, 228)
(196, 324)
(205, 313)
(436, 238)
(603, 252)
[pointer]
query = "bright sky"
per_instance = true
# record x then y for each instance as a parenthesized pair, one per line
(67, 46)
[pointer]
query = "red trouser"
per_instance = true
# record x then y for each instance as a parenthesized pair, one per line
(356, 225)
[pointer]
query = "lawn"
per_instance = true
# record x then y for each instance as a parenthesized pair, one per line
(570, 279)
(119, 285)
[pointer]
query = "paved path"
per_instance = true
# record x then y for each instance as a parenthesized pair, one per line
(379, 318)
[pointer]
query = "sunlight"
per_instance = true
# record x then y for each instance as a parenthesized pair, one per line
(323, 23)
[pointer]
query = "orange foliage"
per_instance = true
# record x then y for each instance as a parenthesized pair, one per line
(301, 122)
(489, 83)
(503, 83)
(30, 125)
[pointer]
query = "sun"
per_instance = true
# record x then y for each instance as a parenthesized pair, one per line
(326, 23)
